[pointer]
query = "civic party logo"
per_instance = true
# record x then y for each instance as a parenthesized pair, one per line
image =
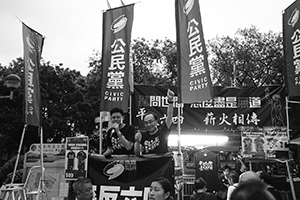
(113, 170)
(294, 18)
(118, 24)
(188, 6)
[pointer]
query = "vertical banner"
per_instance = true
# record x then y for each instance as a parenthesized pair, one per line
(117, 25)
(291, 33)
(76, 157)
(33, 44)
(194, 76)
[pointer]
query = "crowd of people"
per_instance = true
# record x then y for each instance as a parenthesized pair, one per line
(247, 186)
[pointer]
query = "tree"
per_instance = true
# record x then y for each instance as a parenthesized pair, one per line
(154, 62)
(250, 58)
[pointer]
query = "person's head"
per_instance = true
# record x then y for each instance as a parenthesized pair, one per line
(248, 175)
(264, 177)
(83, 188)
(226, 170)
(160, 189)
(199, 184)
(150, 121)
(117, 115)
(233, 177)
(251, 190)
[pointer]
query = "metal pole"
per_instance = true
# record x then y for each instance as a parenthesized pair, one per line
(42, 160)
(130, 109)
(291, 180)
(100, 133)
(179, 128)
(18, 155)
(287, 117)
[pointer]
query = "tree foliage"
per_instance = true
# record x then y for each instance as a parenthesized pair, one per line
(250, 58)
(154, 62)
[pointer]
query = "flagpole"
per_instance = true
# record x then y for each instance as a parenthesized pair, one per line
(130, 109)
(100, 133)
(287, 118)
(179, 128)
(42, 160)
(19, 152)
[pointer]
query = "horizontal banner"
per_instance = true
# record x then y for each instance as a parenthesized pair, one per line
(128, 177)
(231, 108)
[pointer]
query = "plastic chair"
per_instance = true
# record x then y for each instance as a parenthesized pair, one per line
(12, 191)
(23, 191)
(33, 184)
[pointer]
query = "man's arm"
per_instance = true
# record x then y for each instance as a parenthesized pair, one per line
(137, 144)
(127, 144)
(170, 96)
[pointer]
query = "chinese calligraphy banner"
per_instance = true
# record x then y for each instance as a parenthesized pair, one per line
(193, 75)
(115, 87)
(32, 44)
(128, 177)
(230, 109)
(291, 34)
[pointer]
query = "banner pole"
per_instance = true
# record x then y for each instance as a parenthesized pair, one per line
(287, 117)
(179, 128)
(130, 109)
(100, 133)
(18, 155)
(42, 161)
(290, 180)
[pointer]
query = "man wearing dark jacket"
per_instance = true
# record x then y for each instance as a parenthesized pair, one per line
(200, 191)
(266, 178)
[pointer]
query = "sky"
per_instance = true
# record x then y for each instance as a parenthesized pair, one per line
(73, 29)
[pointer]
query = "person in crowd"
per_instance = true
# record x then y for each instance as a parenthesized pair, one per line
(266, 178)
(248, 175)
(160, 189)
(251, 189)
(223, 183)
(233, 179)
(200, 191)
(155, 139)
(83, 189)
(120, 137)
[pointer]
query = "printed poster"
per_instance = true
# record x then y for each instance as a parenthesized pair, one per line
(276, 140)
(76, 157)
(253, 143)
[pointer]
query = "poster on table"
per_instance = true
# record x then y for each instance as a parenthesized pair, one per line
(76, 161)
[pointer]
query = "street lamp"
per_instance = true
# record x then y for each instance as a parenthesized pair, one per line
(12, 81)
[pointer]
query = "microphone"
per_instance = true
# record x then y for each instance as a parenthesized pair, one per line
(112, 132)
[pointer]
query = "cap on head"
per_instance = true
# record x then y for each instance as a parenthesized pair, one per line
(248, 175)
